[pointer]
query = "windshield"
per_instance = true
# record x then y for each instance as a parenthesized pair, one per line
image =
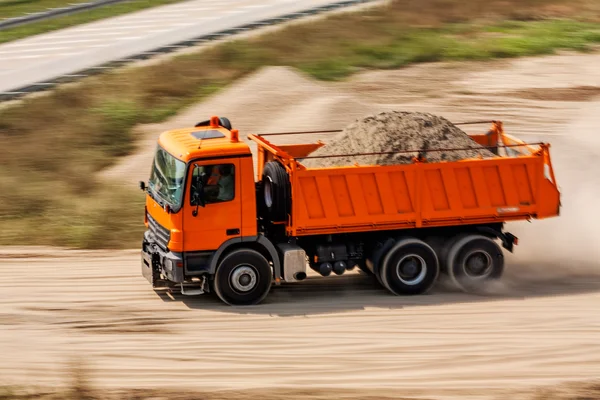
(166, 179)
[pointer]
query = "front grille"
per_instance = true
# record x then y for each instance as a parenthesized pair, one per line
(161, 235)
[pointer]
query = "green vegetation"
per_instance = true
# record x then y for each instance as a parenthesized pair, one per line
(49, 192)
(407, 46)
(17, 8)
(11, 8)
(54, 145)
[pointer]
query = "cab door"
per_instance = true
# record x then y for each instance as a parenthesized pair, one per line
(206, 227)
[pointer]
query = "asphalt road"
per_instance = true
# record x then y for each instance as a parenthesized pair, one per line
(47, 56)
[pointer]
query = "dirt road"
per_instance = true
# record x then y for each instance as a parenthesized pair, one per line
(540, 327)
(339, 332)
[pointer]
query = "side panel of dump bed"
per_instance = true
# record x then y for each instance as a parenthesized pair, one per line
(355, 199)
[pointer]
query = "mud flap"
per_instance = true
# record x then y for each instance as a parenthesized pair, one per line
(508, 239)
(150, 270)
(147, 270)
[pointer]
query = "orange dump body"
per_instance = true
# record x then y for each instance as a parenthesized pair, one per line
(517, 185)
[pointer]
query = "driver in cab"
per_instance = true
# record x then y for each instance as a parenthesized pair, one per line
(225, 183)
(220, 185)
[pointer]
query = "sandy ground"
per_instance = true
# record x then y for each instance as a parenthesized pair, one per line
(342, 332)
(539, 327)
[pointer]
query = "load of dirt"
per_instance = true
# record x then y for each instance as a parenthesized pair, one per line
(398, 136)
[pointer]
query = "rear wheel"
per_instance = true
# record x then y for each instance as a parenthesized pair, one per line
(243, 278)
(410, 267)
(473, 261)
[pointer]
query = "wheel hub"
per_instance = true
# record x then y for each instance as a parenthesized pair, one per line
(243, 278)
(478, 264)
(411, 269)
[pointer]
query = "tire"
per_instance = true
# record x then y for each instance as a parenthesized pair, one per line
(275, 191)
(395, 273)
(243, 278)
(473, 261)
(377, 255)
(445, 250)
(225, 123)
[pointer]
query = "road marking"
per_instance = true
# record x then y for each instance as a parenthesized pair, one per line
(181, 12)
(143, 24)
(119, 27)
(21, 57)
(41, 46)
(158, 31)
(124, 33)
(39, 56)
(45, 49)
(93, 37)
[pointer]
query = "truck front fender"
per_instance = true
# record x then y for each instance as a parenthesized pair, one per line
(259, 243)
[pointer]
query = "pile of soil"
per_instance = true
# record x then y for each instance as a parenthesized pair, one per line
(397, 131)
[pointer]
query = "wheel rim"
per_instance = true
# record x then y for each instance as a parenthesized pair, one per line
(411, 269)
(478, 264)
(243, 278)
(268, 192)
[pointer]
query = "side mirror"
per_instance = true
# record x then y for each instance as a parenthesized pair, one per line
(142, 186)
(198, 197)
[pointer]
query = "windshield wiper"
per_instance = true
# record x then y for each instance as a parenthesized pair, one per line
(155, 195)
(162, 200)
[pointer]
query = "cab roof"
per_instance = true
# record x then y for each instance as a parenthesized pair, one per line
(212, 140)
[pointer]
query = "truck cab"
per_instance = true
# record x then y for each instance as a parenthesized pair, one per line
(200, 202)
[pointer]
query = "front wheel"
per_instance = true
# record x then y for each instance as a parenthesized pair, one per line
(410, 267)
(243, 278)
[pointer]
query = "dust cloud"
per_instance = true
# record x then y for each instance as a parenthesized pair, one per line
(570, 244)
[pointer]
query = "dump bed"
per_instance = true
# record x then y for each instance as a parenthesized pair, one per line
(517, 184)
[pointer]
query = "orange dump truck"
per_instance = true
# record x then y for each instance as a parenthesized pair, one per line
(213, 227)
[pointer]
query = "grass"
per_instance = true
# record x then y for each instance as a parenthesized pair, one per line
(17, 8)
(52, 196)
(10, 8)
(55, 144)
(335, 57)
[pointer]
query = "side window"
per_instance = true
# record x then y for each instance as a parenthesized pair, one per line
(218, 182)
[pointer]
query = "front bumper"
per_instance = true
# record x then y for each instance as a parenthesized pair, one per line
(158, 264)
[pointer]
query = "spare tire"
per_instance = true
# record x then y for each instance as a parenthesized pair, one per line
(275, 191)
(225, 123)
